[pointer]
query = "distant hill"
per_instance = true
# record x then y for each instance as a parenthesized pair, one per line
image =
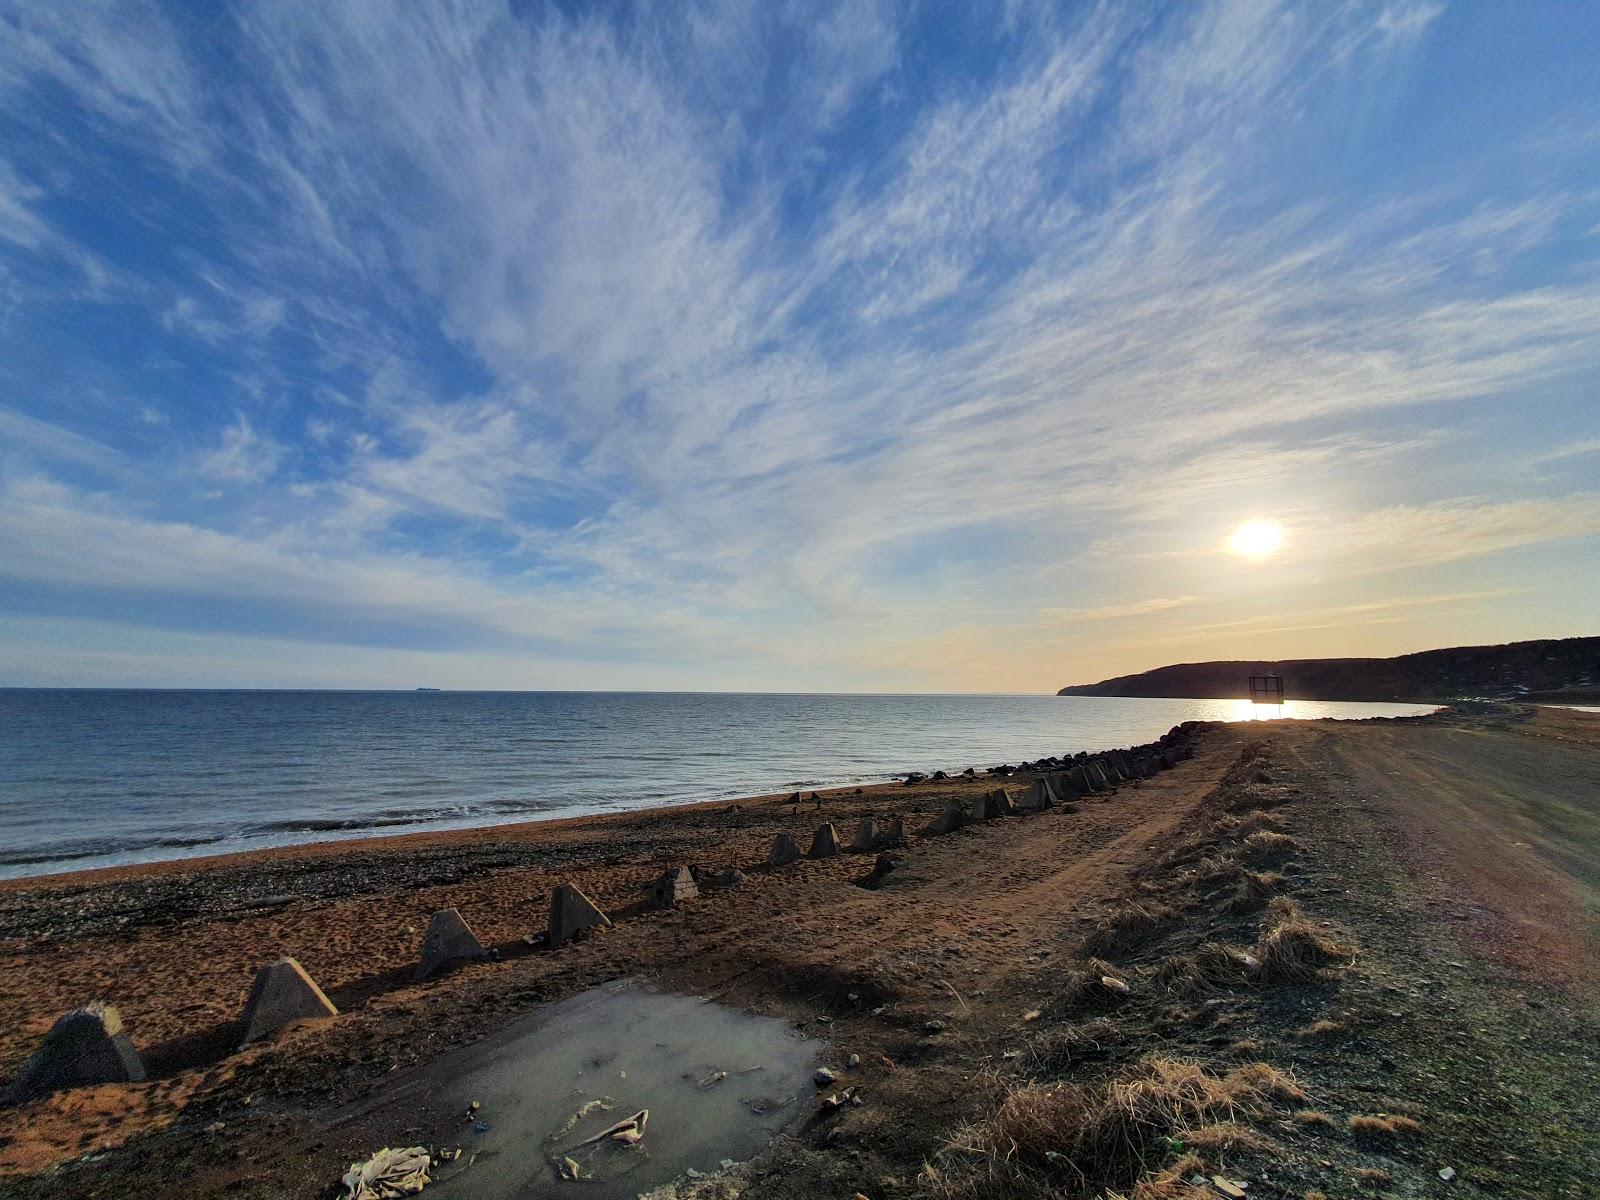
(1554, 669)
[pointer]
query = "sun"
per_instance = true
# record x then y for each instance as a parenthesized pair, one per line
(1257, 538)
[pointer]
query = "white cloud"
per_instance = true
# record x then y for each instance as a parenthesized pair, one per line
(718, 378)
(1115, 612)
(242, 455)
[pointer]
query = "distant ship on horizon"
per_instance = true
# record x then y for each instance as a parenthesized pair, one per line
(427, 689)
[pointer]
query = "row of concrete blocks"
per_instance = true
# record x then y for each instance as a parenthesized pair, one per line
(90, 1046)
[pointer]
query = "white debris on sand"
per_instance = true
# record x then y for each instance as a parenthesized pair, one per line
(388, 1175)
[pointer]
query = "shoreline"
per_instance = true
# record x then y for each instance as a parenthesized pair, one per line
(358, 838)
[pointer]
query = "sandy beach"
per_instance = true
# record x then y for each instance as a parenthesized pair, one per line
(1447, 861)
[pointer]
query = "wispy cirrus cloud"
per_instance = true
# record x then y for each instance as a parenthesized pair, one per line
(728, 319)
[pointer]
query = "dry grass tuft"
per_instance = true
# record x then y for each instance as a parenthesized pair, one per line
(1253, 890)
(1383, 1129)
(1225, 1137)
(1376, 1176)
(1293, 950)
(1268, 1081)
(1323, 1030)
(1083, 988)
(1265, 846)
(1128, 928)
(1254, 821)
(1092, 1136)
(1171, 1183)
(1210, 969)
(1214, 870)
(1056, 1050)
(1313, 1118)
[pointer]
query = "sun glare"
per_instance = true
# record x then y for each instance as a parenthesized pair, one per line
(1256, 538)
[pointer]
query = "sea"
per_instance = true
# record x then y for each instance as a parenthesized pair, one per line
(92, 778)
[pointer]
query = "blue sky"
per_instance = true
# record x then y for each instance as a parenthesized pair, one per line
(812, 347)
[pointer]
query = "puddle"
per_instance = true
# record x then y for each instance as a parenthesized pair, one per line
(718, 1084)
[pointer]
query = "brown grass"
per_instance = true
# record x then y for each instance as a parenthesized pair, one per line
(1091, 1136)
(1226, 1137)
(1083, 989)
(1293, 950)
(1253, 890)
(1128, 928)
(1373, 1175)
(1313, 1118)
(1171, 1183)
(1257, 822)
(1323, 1030)
(1383, 1129)
(1211, 968)
(1056, 1050)
(1265, 846)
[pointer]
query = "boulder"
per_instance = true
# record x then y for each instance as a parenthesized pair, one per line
(866, 837)
(825, 842)
(784, 851)
(732, 877)
(676, 885)
(282, 994)
(951, 819)
(449, 940)
(87, 1046)
(571, 912)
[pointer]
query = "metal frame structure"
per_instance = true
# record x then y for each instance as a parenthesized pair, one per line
(1266, 689)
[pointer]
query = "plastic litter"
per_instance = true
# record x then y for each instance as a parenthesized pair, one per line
(388, 1174)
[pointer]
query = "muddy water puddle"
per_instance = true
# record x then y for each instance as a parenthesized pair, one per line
(553, 1089)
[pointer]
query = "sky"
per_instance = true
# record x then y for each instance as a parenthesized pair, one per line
(790, 347)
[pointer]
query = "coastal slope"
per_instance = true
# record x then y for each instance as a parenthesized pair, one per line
(1347, 956)
(1550, 670)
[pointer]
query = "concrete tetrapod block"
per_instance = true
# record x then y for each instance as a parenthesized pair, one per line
(449, 940)
(951, 819)
(1097, 772)
(825, 842)
(784, 851)
(1038, 797)
(674, 886)
(1079, 779)
(571, 912)
(87, 1046)
(893, 832)
(1061, 784)
(866, 837)
(282, 994)
(981, 808)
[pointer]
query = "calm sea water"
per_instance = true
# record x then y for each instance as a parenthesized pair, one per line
(93, 778)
